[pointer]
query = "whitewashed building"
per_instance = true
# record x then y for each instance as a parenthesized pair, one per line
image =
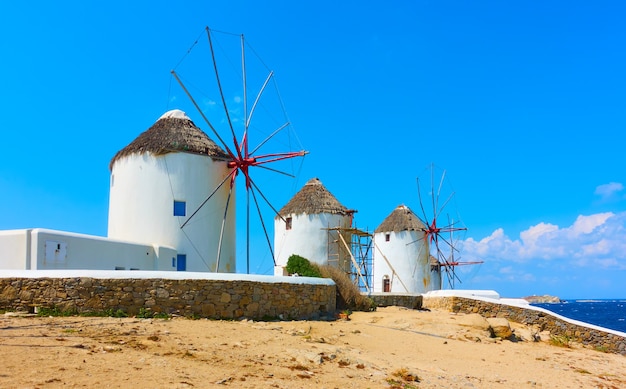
(401, 258)
(43, 249)
(312, 225)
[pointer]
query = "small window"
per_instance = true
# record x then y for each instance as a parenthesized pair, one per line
(387, 237)
(179, 208)
(288, 223)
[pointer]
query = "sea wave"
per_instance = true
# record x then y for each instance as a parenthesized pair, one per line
(604, 313)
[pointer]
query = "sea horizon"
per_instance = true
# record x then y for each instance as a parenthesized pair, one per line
(606, 313)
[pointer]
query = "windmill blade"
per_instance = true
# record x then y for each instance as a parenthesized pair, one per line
(419, 195)
(449, 271)
(258, 96)
(417, 240)
(276, 171)
(432, 191)
(266, 200)
(438, 211)
(452, 276)
(436, 207)
(219, 244)
(248, 232)
(244, 78)
(453, 225)
(452, 228)
(229, 175)
(270, 137)
(275, 157)
(267, 238)
(455, 276)
(219, 87)
(439, 236)
(449, 276)
(193, 101)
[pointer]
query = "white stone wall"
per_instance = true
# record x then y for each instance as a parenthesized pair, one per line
(15, 249)
(42, 249)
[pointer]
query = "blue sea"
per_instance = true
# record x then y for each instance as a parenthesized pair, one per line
(604, 313)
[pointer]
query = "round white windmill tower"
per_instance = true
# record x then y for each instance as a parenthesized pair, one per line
(313, 225)
(401, 257)
(159, 180)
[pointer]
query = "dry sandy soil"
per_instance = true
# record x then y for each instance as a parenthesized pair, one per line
(389, 348)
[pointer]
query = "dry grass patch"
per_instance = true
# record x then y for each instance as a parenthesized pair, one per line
(349, 296)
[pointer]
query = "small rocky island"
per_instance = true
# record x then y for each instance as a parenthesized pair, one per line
(545, 299)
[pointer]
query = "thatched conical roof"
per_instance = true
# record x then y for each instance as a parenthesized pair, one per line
(174, 131)
(401, 219)
(312, 199)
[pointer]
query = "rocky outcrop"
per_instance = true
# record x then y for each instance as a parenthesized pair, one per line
(500, 327)
(540, 321)
(545, 299)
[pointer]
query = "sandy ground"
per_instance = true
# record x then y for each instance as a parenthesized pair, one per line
(390, 348)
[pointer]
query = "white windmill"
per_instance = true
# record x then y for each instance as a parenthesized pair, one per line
(313, 225)
(158, 179)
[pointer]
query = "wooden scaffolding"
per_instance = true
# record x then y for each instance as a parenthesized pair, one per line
(351, 249)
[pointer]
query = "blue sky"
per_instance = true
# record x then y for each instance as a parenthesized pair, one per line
(522, 103)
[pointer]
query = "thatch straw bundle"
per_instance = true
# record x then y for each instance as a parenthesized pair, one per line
(401, 219)
(173, 132)
(312, 199)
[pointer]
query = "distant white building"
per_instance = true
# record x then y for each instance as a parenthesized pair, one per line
(157, 182)
(401, 258)
(311, 225)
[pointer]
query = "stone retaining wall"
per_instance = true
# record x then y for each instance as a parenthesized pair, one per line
(540, 320)
(217, 299)
(411, 301)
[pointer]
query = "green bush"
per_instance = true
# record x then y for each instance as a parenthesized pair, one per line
(301, 266)
(348, 295)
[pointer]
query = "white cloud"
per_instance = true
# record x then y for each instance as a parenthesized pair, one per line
(597, 240)
(609, 191)
(208, 103)
(586, 224)
(497, 242)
